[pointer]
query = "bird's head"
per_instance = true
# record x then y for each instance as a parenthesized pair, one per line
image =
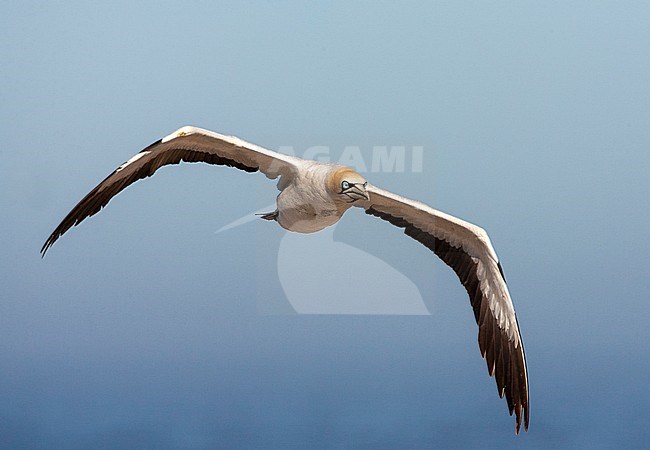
(348, 185)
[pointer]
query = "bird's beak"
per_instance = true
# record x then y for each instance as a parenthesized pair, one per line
(357, 192)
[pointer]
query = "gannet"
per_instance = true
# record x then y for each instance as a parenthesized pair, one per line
(314, 195)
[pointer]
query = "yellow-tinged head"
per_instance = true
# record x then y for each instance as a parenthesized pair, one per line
(348, 185)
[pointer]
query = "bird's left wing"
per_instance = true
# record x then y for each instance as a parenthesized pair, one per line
(466, 248)
(189, 144)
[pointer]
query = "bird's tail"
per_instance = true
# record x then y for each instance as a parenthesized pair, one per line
(269, 216)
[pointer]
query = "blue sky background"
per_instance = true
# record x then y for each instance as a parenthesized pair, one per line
(144, 328)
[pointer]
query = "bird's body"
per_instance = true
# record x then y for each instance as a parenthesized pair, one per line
(315, 195)
(305, 204)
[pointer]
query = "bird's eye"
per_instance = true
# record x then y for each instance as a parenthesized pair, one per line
(365, 184)
(345, 185)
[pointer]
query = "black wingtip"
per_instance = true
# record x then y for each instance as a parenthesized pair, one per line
(46, 246)
(518, 411)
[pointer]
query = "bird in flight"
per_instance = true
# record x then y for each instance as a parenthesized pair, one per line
(314, 195)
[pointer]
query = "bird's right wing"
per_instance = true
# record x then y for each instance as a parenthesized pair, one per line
(189, 144)
(466, 248)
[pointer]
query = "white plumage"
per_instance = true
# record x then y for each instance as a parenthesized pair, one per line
(315, 195)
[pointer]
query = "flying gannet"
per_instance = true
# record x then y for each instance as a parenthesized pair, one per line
(314, 195)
